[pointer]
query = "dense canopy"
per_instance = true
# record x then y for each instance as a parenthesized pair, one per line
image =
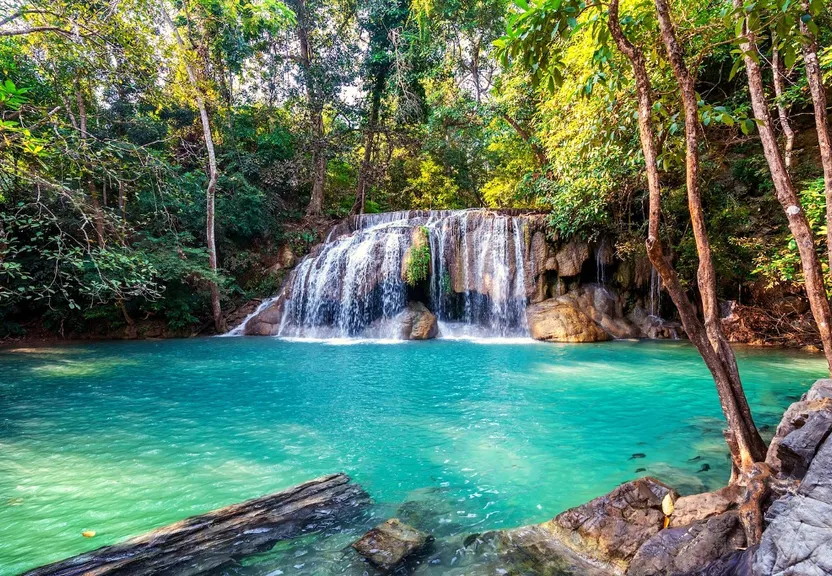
(119, 119)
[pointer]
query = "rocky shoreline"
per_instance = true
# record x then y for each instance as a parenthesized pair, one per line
(627, 532)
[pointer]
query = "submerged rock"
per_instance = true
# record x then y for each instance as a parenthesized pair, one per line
(390, 542)
(539, 550)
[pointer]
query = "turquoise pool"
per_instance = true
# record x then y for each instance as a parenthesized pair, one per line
(123, 437)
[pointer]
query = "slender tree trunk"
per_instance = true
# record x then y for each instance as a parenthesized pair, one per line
(539, 153)
(92, 190)
(815, 78)
(779, 75)
(216, 308)
(706, 275)
(786, 193)
(122, 199)
(98, 212)
(741, 452)
(316, 200)
(82, 110)
(369, 143)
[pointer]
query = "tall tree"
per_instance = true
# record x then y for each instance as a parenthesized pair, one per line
(383, 22)
(783, 184)
(529, 39)
(809, 45)
(210, 191)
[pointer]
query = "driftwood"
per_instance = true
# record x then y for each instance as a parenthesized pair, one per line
(203, 542)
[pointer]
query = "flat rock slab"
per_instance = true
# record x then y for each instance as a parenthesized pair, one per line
(202, 543)
(390, 542)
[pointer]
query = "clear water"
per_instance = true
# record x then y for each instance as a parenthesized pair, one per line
(124, 437)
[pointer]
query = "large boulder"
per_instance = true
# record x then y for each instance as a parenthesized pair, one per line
(267, 321)
(681, 550)
(814, 407)
(390, 542)
(799, 539)
(558, 320)
(611, 529)
(418, 323)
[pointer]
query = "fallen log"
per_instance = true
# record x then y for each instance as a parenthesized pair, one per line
(204, 542)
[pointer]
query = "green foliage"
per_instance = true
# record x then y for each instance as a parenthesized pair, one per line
(781, 263)
(435, 104)
(418, 263)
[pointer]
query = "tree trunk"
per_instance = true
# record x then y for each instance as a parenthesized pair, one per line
(742, 455)
(815, 78)
(539, 153)
(369, 143)
(706, 276)
(216, 308)
(200, 544)
(778, 75)
(786, 193)
(316, 200)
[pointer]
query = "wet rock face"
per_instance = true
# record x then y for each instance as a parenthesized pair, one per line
(680, 550)
(814, 410)
(390, 542)
(612, 528)
(571, 257)
(418, 323)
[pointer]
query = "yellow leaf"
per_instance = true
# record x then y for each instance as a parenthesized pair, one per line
(667, 505)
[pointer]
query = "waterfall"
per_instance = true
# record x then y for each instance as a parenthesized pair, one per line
(352, 285)
(600, 276)
(655, 293)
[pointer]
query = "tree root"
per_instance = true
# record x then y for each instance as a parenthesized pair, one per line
(756, 494)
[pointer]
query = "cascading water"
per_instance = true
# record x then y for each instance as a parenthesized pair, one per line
(353, 284)
(655, 293)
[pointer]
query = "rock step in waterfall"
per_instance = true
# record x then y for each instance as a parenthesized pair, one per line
(459, 273)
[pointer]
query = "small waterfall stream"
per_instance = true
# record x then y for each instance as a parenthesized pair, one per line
(352, 285)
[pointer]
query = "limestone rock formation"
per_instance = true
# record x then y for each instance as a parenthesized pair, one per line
(418, 323)
(571, 257)
(557, 320)
(818, 400)
(589, 313)
(680, 550)
(267, 321)
(390, 542)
